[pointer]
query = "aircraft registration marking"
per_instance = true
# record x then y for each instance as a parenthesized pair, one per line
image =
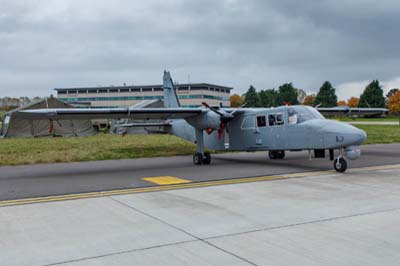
(166, 180)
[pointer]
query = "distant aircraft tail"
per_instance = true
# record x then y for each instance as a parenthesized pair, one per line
(170, 97)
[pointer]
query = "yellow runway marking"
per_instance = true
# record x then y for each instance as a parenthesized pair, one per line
(166, 180)
(181, 186)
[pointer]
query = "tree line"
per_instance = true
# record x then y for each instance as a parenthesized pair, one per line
(372, 97)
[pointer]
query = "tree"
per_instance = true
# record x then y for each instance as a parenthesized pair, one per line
(268, 98)
(326, 96)
(252, 98)
(394, 103)
(353, 102)
(372, 96)
(341, 103)
(236, 100)
(287, 95)
(301, 95)
(392, 92)
(309, 100)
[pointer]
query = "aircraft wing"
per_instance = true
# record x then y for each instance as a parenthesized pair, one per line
(109, 113)
(345, 110)
(140, 124)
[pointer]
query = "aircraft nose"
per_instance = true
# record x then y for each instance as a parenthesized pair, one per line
(342, 134)
(354, 136)
(361, 136)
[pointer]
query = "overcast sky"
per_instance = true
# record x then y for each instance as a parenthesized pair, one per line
(48, 44)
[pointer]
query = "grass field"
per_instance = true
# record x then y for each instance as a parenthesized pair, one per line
(381, 134)
(18, 151)
(105, 146)
(362, 119)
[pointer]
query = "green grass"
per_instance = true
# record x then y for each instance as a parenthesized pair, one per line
(363, 119)
(17, 151)
(381, 134)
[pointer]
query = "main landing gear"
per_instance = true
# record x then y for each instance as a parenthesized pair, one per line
(201, 157)
(273, 155)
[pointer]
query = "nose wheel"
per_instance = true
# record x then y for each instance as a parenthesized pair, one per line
(340, 165)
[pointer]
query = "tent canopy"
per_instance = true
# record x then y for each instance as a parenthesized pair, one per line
(13, 126)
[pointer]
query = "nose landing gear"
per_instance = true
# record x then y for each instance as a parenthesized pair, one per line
(340, 163)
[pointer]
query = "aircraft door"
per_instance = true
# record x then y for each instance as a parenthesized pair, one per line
(249, 131)
(277, 125)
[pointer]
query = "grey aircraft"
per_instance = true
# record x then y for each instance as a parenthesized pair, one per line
(280, 129)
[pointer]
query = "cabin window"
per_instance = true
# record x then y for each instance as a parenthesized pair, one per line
(248, 122)
(276, 119)
(261, 121)
(279, 119)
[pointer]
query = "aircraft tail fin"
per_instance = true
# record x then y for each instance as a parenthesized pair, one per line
(170, 97)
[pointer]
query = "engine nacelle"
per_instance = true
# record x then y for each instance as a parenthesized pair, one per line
(352, 152)
(205, 121)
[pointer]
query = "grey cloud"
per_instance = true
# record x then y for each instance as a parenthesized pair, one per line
(232, 42)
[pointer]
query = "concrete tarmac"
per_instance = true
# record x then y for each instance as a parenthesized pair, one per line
(68, 178)
(318, 219)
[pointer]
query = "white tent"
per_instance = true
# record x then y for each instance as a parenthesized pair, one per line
(14, 126)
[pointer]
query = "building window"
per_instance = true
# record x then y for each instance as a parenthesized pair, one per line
(147, 89)
(197, 88)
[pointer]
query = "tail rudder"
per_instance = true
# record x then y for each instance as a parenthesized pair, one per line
(170, 97)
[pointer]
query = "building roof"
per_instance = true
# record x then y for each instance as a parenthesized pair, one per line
(145, 86)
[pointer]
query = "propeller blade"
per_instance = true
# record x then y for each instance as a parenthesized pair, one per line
(212, 108)
(240, 107)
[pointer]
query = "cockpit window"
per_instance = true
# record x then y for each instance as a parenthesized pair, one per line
(300, 114)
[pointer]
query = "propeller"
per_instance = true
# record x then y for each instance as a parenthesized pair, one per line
(225, 118)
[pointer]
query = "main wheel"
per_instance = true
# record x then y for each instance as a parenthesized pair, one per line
(198, 159)
(206, 158)
(281, 154)
(276, 155)
(340, 165)
(272, 155)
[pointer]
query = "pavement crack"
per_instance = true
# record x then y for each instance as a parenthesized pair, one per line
(183, 231)
(305, 223)
(119, 253)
